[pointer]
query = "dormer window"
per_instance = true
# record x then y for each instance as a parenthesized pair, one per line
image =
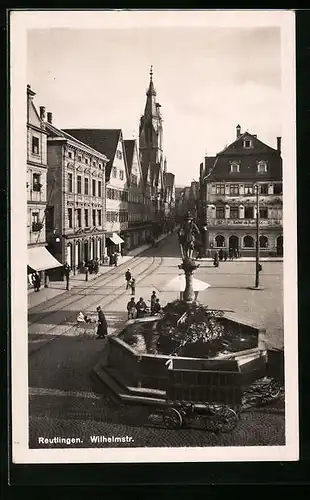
(234, 167)
(262, 167)
(247, 144)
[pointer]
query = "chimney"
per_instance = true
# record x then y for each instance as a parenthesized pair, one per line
(42, 113)
(255, 136)
(279, 144)
(238, 128)
(50, 117)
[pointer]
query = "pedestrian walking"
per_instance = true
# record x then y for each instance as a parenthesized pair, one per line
(141, 308)
(133, 286)
(216, 260)
(67, 270)
(36, 281)
(116, 259)
(153, 300)
(86, 272)
(131, 308)
(102, 330)
(127, 278)
(157, 307)
(221, 254)
(236, 253)
(231, 254)
(225, 255)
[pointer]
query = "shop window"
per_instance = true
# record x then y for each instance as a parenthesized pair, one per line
(219, 241)
(263, 241)
(248, 242)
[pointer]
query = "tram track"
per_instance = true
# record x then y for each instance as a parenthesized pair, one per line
(101, 280)
(155, 264)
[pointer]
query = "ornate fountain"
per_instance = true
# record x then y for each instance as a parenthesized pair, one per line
(187, 236)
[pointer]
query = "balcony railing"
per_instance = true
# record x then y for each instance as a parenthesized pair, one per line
(245, 222)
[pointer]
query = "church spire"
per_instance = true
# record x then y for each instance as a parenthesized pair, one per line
(151, 90)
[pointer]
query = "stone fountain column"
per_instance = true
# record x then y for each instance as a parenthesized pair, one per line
(188, 266)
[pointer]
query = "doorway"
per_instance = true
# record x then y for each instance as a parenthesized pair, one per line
(233, 242)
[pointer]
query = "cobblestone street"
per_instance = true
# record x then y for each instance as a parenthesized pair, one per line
(66, 402)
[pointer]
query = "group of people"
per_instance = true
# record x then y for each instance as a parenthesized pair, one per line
(140, 309)
(91, 266)
(223, 255)
(113, 259)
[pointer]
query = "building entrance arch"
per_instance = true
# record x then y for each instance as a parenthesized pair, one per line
(233, 242)
(280, 246)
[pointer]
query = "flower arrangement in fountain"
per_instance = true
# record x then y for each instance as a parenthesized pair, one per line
(191, 329)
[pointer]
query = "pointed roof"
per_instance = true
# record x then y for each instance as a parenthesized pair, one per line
(129, 148)
(150, 105)
(151, 90)
(103, 140)
(61, 134)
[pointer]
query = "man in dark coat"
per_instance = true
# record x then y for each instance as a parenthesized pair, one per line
(67, 270)
(141, 308)
(127, 278)
(102, 330)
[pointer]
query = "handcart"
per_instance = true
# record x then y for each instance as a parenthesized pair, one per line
(211, 393)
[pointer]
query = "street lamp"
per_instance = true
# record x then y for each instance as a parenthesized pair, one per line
(257, 264)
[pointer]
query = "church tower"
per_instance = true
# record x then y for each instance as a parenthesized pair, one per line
(151, 135)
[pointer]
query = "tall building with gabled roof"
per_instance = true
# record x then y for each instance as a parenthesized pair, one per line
(230, 210)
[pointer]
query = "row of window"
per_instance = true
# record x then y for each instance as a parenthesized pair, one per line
(234, 213)
(115, 194)
(121, 216)
(87, 160)
(96, 217)
(96, 186)
(261, 167)
(234, 189)
(248, 241)
(120, 172)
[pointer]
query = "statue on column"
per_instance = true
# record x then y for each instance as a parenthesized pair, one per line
(187, 236)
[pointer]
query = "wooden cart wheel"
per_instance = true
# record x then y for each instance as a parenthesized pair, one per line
(172, 418)
(226, 419)
(274, 389)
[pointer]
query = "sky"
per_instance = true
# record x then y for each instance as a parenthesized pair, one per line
(207, 79)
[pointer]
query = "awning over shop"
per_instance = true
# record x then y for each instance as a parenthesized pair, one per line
(40, 259)
(116, 239)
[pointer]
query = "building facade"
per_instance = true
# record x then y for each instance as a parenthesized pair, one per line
(36, 174)
(75, 220)
(111, 144)
(232, 179)
(140, 207)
